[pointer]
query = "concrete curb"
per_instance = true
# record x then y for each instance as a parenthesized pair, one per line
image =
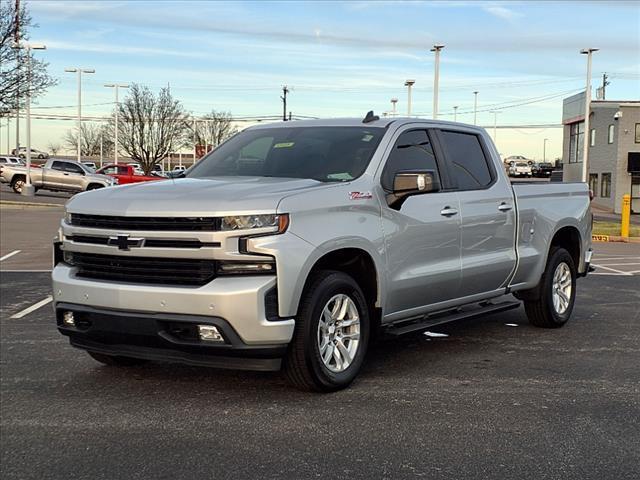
(614, 238)
(10, 203)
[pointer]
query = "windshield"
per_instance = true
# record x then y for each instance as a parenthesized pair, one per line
(326, 154)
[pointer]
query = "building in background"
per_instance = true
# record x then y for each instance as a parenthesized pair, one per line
(614, 149)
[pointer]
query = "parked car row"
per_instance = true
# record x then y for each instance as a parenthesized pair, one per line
(519, 166)
(22, 153)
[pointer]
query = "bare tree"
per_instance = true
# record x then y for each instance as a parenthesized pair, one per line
(90, 136)
(14, 26)
(54, 147)
(150, 126)
(214, 128)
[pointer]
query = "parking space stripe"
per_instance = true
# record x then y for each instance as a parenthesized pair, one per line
(9, 255)
(32, 308)
(619, 272)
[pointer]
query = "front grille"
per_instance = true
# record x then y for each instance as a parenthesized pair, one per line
(184, 224)
(164, 271)
(148, 242)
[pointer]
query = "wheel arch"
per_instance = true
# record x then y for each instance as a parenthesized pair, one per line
(569, 238)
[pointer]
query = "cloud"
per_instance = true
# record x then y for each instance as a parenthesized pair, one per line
(502, 12)
(118, 49)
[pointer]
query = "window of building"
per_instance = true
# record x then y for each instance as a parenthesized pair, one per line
(593, 183)
(412, 151)
(469, 165)
(592, 137)
(637, 132)
(605, 185)
(576, 142)
(610, 135)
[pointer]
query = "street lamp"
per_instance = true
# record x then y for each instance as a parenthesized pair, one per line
(495, 124)
(436, 78)
(79, 71)
(587, 110)
(28, 189)
(409, 84)
(116, 86)
(475, 108)
(394, 102)
(455, 113)
(544, 149)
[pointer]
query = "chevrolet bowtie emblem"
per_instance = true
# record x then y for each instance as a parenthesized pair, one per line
(123, 242)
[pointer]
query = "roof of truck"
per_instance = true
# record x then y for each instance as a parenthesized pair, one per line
(382, 122)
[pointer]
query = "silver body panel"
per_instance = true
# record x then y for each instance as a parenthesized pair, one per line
(424, 261)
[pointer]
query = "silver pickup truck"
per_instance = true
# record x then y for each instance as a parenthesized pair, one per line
(56, 175)
(293, 245)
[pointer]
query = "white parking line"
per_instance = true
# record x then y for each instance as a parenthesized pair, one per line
(620, 264)
(9, 255)
(619, 272)
(32, 308)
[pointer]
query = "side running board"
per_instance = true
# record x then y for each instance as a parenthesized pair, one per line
(407, 326)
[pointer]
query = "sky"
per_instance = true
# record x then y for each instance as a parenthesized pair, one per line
(340, 58)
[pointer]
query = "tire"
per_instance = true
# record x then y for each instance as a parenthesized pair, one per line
(548, 309)
(18, 184)
(303, 365)
(114, 361)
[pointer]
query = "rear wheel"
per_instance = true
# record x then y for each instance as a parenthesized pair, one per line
(331, 334)
(551, 303)
(18, 184)
(116, 361)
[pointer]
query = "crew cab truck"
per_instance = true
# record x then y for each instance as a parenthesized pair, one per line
(126, 174)
(56, 175)
(291, 245)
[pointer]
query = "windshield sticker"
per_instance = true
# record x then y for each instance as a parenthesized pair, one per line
(340, 176)
(360, 195)
(284, 145)
(367, 138)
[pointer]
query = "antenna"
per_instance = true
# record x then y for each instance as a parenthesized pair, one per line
(370, 117)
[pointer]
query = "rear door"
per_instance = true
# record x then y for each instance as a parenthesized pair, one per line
(55, 176)
(422, 236)
(487, 212)
(72, 178)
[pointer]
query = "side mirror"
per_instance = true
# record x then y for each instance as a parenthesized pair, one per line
(408, 183)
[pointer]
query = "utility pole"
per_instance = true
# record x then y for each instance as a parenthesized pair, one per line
(16, 40)
(195, 140)
(116, 86)
(409, 84)
(495, 124)
(455, 113)
(475, 108)
(436, 78)
(544, 149)
(605, 82)
(587, 110)
(79, 71)
(285, 90)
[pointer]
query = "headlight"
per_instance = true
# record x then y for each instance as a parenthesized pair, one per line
(237, 268)
(67, 217)
(247, 222)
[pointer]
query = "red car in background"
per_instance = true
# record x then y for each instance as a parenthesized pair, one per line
(125, 174)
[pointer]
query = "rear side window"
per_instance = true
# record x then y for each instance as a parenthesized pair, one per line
(412, 151)
(469, 165)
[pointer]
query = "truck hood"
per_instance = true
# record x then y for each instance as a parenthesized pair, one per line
(191, 197)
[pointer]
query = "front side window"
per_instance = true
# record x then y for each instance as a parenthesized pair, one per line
(610, 135)
(593, 183)
(412, 151)
(109, 171)
(469, 165)
(605, 186)
(60, 166)
(72, 168)
(325, 154)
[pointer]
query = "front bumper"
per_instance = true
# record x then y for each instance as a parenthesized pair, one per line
(163, 337)
(239, 300)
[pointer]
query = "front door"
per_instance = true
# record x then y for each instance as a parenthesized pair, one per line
(422, 236)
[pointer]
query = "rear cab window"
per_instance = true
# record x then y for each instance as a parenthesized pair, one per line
(468, 163)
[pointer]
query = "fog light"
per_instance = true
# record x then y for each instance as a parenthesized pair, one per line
(67, 319)
(209, 333)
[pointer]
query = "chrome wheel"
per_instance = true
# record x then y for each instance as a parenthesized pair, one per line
(18, 185)
(562, 285)
(339, 333)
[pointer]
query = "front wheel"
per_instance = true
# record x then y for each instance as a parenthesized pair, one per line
(331, 334)
(552, 301)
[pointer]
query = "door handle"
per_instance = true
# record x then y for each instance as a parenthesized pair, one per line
(504, 207)
(66, 174)
(448, 212)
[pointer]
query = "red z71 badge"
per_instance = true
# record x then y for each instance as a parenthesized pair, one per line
(360, 195)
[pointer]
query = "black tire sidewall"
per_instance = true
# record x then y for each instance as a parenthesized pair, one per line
(559, 256)
(334, 283)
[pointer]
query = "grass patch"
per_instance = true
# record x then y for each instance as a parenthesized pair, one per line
(612, 228)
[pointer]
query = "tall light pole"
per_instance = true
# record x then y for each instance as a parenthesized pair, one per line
(116, 86)
(409, 84)
(28, 189)
(79, 71)
(475, 108)
(495, 124)
(394, 103)
(587, 110)
(436, 78)
(544, 149)
(455, 113)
